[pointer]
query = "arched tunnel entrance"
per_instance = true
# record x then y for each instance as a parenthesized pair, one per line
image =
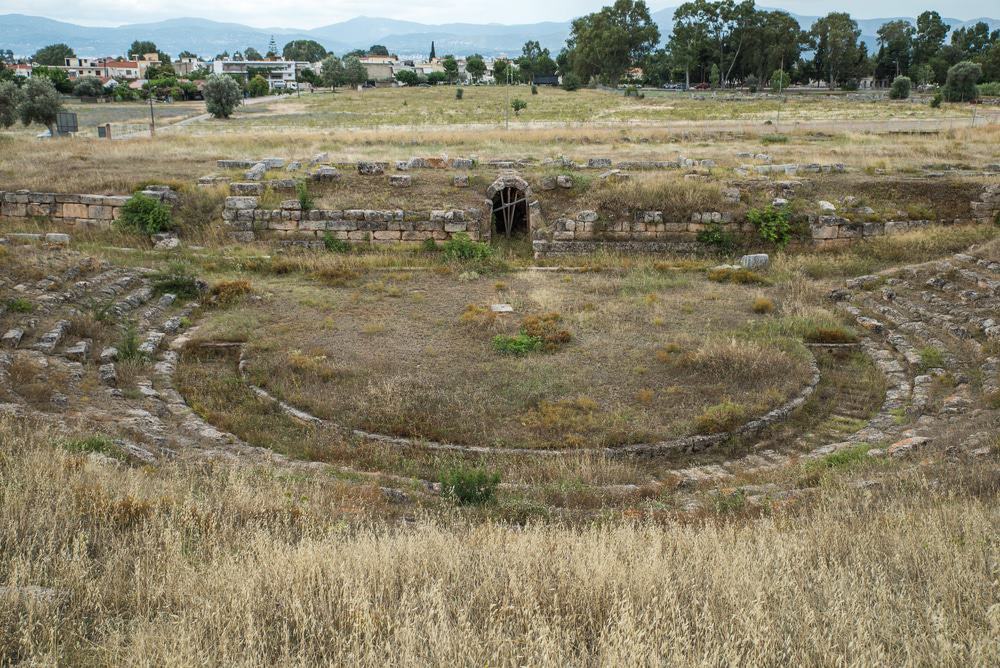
(510, 212)
(510, 198)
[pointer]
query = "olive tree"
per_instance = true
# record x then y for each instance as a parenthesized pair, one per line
(40, 103)
(900, 88)
(222, 95)
(88, 87)
(10, 97)
(960, 85)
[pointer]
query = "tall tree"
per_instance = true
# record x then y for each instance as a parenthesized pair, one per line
(355, 73)
(10, 98)
(475, 65)
(332, 71)
(839, 54)
(608, 42)
(974, 40)
(535, 60)
(450, 66)
(929, 37)
(305, 50)
(142, 47)
(40, 103)
(251, 53)
(378, 50)
(53, 55)
(433, 52)
(689, 41)
(272, 48)
(895, 40)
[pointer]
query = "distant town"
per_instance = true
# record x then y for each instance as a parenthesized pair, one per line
(711, 45)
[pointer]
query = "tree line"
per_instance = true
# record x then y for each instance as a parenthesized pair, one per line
(724, 42)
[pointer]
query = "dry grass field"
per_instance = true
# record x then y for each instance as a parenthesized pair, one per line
(343, 455)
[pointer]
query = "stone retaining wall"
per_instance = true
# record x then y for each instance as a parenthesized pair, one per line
(71, 210)
(248, 222)
(650, 232)
(82, 210)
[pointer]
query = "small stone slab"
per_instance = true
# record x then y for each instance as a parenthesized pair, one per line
(57, 238)
(502, 308)
(109, 354)
(461, 181)
(755, 261)
(78, 352)
(907, 446)
(51, 338)
(400, 180)
(326, 174)
(12, 338)
(257, 172)
(371, 168)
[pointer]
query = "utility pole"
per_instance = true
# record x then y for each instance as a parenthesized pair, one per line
(152, 119)
(781, 81)
(507, 106)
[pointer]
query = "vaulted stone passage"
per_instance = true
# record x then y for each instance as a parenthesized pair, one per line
(510, 213)
(510, 197)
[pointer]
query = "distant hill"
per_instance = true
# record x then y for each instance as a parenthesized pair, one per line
(26, 34)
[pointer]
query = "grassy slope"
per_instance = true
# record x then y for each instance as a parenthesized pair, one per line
(241, 566)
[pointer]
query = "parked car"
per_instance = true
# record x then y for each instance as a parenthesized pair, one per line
(702, 86)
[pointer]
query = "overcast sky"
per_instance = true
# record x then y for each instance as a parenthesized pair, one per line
(315, 13)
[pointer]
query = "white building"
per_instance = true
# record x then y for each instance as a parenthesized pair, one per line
(279, 73)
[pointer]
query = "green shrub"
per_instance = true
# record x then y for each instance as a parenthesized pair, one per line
(20, 305)
(774, 139)
(570, 82)
(990, 89)
(461, 247)
(714, 234)
(99, 444)
(258, 87)
(305, 199)
(517, 345)
(128, 347)
(518, 105)
(469, 486)
(534, 89)
(772, 225)
(931, 358)
(937, 99)
(429, 246)
(780, 80)
(900, 88)
(840, 460)
(145, 215)
(960, 86)
(459, 93)
(726, 504)
(335, 245)
(177, 280)
(752, 83)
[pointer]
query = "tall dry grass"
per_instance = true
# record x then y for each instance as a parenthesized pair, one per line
(225, 566)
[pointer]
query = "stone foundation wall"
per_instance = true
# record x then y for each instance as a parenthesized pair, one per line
(72, 210)
(98, 211)
(988, 207)
(248, 222)
(649, 232)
